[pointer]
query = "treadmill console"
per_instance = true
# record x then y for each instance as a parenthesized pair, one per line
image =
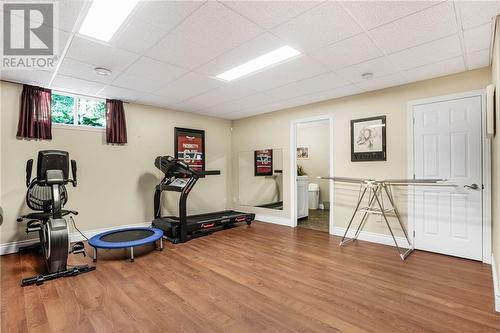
(179, 182)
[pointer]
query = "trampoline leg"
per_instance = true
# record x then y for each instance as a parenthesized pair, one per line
(161, 243)
(95, 254)
(131, 254)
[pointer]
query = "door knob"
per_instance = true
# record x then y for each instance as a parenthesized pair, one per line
(472, 186)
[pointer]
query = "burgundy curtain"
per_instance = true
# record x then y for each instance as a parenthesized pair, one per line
(116, 126)
(35, 121)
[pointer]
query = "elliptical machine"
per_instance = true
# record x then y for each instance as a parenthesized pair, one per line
(46, 196)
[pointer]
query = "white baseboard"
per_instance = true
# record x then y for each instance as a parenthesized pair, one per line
(373, 237)
(13, 247)
(273, 219)
(496, 287)
(75, 236)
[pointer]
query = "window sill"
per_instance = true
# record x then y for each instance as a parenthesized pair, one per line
(78, 127)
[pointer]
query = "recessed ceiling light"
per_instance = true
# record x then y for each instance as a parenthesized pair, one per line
(367, 76)
(102, 71)
(265, 60)
(105, 17)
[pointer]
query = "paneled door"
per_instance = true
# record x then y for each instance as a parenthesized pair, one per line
(447, 144)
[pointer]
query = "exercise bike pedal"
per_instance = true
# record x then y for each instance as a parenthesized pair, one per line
(33, 226)
(77, 248)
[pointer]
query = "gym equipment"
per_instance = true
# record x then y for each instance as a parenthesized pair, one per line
(179, 177)
(126, 238)
(375, 189)
(46, 196)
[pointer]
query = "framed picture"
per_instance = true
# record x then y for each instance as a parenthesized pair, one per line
(368, 139)
(302, 153)
(190, 147)
(263, 162)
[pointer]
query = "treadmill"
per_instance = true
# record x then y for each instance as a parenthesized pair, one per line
(179, 177)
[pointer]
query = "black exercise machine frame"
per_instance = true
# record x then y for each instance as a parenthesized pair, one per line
(54, 174)
(184, 192)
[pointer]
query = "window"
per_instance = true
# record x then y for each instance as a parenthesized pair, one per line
(77, 110)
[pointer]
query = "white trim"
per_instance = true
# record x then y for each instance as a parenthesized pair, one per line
(71, 127)
(293, 166)
(485, 161)
(79, 96)
(372, 237)
(13, 247)
(496, 286)
(273, 219)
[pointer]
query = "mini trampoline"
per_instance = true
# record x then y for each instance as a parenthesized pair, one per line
(126, 238)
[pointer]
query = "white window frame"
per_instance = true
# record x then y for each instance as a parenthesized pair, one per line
(75, 125)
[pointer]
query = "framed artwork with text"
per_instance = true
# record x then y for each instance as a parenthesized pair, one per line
(190, 147)
(368, 139)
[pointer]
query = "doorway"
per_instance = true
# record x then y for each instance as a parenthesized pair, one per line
(448, 142)
(311, 156)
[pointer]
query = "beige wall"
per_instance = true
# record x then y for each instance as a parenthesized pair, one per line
(495, 203)
(273, 130)
(316, 137)
(116, 183)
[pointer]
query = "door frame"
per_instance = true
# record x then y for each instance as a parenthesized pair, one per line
(485, 166)
(293, 167)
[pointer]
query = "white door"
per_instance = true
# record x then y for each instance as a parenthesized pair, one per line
(447, 145)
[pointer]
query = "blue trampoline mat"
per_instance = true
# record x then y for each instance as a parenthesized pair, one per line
(126, 237)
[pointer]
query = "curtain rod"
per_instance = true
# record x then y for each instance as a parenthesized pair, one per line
(68, 92)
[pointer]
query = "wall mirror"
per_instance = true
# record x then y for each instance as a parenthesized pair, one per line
(261, 178)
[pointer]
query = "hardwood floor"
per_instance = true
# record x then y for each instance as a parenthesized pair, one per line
(262, 278)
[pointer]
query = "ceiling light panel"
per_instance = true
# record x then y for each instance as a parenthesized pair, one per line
(105, 17)
(266, 60)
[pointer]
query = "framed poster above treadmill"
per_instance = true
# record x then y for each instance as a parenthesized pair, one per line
(190, 147)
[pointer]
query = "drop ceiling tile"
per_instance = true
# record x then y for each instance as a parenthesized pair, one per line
(430, 24)
(153, 100)
(474, 13)
(187, 86)
(371, 14)
(81, 70)
(269, 14)
(347, 52)
(148, 75)
(127, 95)
(165, 14)
(241, 54)
(137, 36)
(33, 77)
(225, 93)
(320, 26)
(441, 68)
(76, 86)
(315, 84)
(427, 53)
(190, 105)
(324, 95)
(478, 38)
(294, 70)
(478, 59)
(379, 67)
(217, 27)
(65, 15)
(249, 102)
(382, 82)
(297, 101)
(69, 12)
(177, 49)
(100, 54)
